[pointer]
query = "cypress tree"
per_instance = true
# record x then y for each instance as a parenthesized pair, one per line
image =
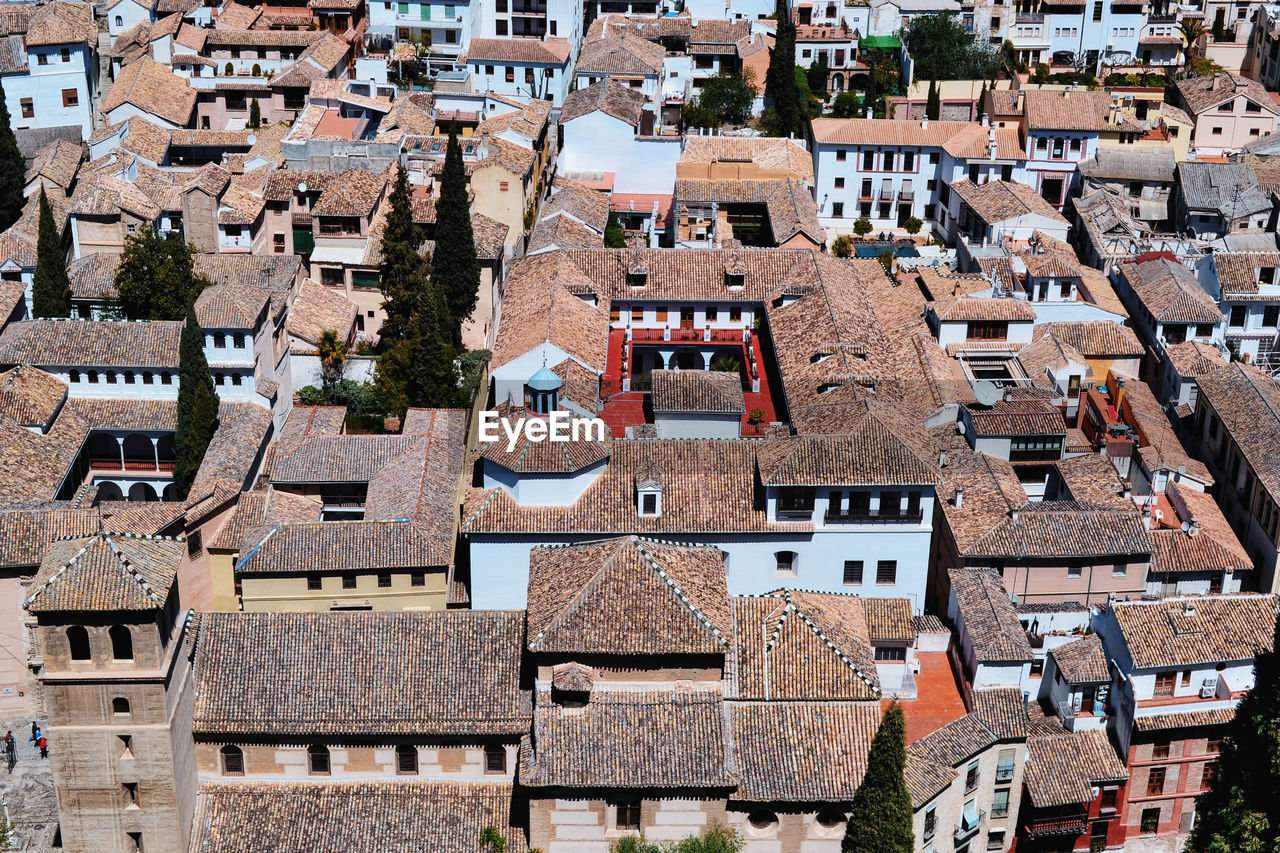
(403, 272)
(156, 278)
(455, 271)
(982, 100)
(780, 79)
(255, 114)
(880, 821)
(197, 406)
(1240, 810)
(51, 288)
(13, 169)
(614, 236)
(933, 106)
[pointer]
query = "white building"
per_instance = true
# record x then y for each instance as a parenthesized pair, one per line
(50, 66)
(608, 127)
(522, 68)
(447, 28)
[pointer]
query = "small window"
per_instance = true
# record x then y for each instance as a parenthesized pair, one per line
(78, 640)
(637, 313)
(93, 377)
(348, 581)
(495, 758)
(232, 760)
(148, 378)
(626, 814)
(28, 108)
(219, 340)
(70, 98)
(1000, 803)
(887, 572)
(119, 705)
(384, 580)
(74, 376)
(121, 642)
(1150, 821)
(166, 378)
(417, 579)
(42, 59)
(971, 778)
(237, 379)
(852, 572)
(318, 759)
(130, 794)
(407, 759)
(111, 377)
(735, 314)
(1075, 571)
(1155, 781)
(712, 313)
(785, 564)
(841, 155)
(195, 543)
(129, 378)
(1160, 749)
(314, 582)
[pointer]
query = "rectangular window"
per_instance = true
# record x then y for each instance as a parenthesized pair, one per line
(837, 209)
(626, 813)
(1075, 571)
(890, 159)
(417, 579)
(1004, 765)
(971, 778)
(1160, 749)
(1110, 796)
(660, 313)
(890, 504)
(1208, 774)
(1271, 316)
(1155, 781)
(42, 59)
(348, 581)
(891, 653)
(384, 580)
(908, 161)
(28, 108)
(712, 313)
(637, 313)
(1000, 803)
(887, 571)
(649, 504)
(131, 793)
(70, 98)
(495, 758)
(841, 154)
(852, 572)
(839, 183)
(1164, 683)
(868, 160)
(930, 823)
(1239, 314)
(313, 582)
(735, 314)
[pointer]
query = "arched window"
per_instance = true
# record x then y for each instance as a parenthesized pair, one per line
(75, 376)
(78, 639)
(148, 378)
(236, 379)
(407, 759)
(121, 642)
(232, 760)
(219, 379)
(318, 758)
(93, 377)
(119, 21)
(119, 705)
(166, 378)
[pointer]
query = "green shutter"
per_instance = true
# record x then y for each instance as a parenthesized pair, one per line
(303, 241)
(403, 8)
(448, 13)
(426, 11)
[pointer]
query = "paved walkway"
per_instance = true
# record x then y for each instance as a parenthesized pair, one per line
(27, 792)
(938, 702)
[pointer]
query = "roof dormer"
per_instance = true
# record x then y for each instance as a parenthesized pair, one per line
(637, 274)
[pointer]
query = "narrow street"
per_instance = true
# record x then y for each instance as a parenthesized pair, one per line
(27, 793)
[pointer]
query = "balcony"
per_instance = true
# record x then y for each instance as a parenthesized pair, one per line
(704, 335)
(1069, 826)
(526, 9)
(1029, 18)
(872, 515)
(970, 823)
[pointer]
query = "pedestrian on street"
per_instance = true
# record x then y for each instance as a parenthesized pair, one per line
(8, 741)
(35, 730)
(43, 743)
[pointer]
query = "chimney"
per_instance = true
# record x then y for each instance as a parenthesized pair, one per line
(924, 123)
(942, 459)
(1021, 102)
(1194, 528)
(868, 112)
(1013, 515)
(1127, 490)
(1188, 607)
(992, 148)
(958, 500)
(1213, 87)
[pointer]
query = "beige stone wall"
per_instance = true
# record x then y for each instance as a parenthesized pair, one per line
(275, 761)
(15, 676)
(275, 593)
(587, 825)
(948, 805)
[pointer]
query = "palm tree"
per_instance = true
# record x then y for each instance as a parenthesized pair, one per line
(1192, 32)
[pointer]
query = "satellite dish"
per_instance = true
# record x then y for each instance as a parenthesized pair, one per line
(987, 392)
(1185, 527)
(302, 187)
(251, 139)
(1182, 470)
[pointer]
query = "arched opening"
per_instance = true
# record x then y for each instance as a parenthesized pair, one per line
(141, 492)
(165, 450)
(119, 21)
(232, 760)
(104, 451)
(119, 705)
(121, 642)
(139, 452)
(318, 759)
(170, 492)
(109, 491)
(837, 82)
(407, 759)
(78, 640)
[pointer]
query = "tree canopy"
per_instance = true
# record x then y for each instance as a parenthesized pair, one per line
(782, 117)
(403, 273)
(943, 50)
(13, 169)
(880, 820)
(455, 271)
(727, 98)
(614, 236)
(156, 277)
(1240, 812)
(933, 106)
(197, 406)
(50, 288)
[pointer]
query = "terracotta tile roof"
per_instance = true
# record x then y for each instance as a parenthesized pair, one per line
(26, 534)
(540, 457)
(536, 310)
(872, 453)
(765, 152)
(788, 203)
(1231, 190)
(331, 458)
(231, 306)
(610, 97)
(998, 201)
(106, 572)
(1184, 720)
(889, 619)
(561, 232)
(1202, 94)
(351, 193)
(152, 518)
(261, 38)
(1213, 549)
(523, 51)
(1238, 272)
(1068, 110)
(421, 483)
(931, 761)
(581, 386)
(274, 273)
(236, 17)
(340, 817)
(1160, 447)
(318, 308)
(989, 619)
(1061, 770)
(966, 139)
(1003, 710)
(1017, 417)
(620, 54)
(801, 751)
(91, 343)
(1194, 358)
(1091, 478)
(991, 490)
(57, 163)
(30, 396)
(1097, 338)
(965, 308)
(337, 546)
(258, 510)
(628, 596)
(794, 644)
(1045, 356)
(1248, 403)
(1082, 661)
(416, 673)
(152, 88)
(94, 276)
(126, 413)
(36, 465)
(234, 451)
(1180, 631)
(706, 486)
(59, 22)
(697, 391)
(625, 739)
(1065, 529)
(588, 206)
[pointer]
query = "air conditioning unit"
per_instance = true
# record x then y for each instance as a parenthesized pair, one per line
(1208, 688)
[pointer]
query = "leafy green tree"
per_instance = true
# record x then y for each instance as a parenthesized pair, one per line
(817, 74)
(862, 226)
(421, 369)
(716, 838)
(333, 356)
(614, 236)
(783, 117)
(880, 820)
(255, 114)
(403, 273)
(156, 277)
(884, 79)
(1240, 812)
(808, 105)
(50, 288)
(913, 224)
(842, 246)
(455, 270)
(492, 841)
(1040, 75)
(1192, 30)
(1219, 30)
(845, 105)
(13, 170)
(694, 114)
(197, 406)
(728, 97)
(933, 105)
(943, 50)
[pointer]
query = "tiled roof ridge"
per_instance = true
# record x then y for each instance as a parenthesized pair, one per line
(107, 538)
(679, 592)
(791, 607)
